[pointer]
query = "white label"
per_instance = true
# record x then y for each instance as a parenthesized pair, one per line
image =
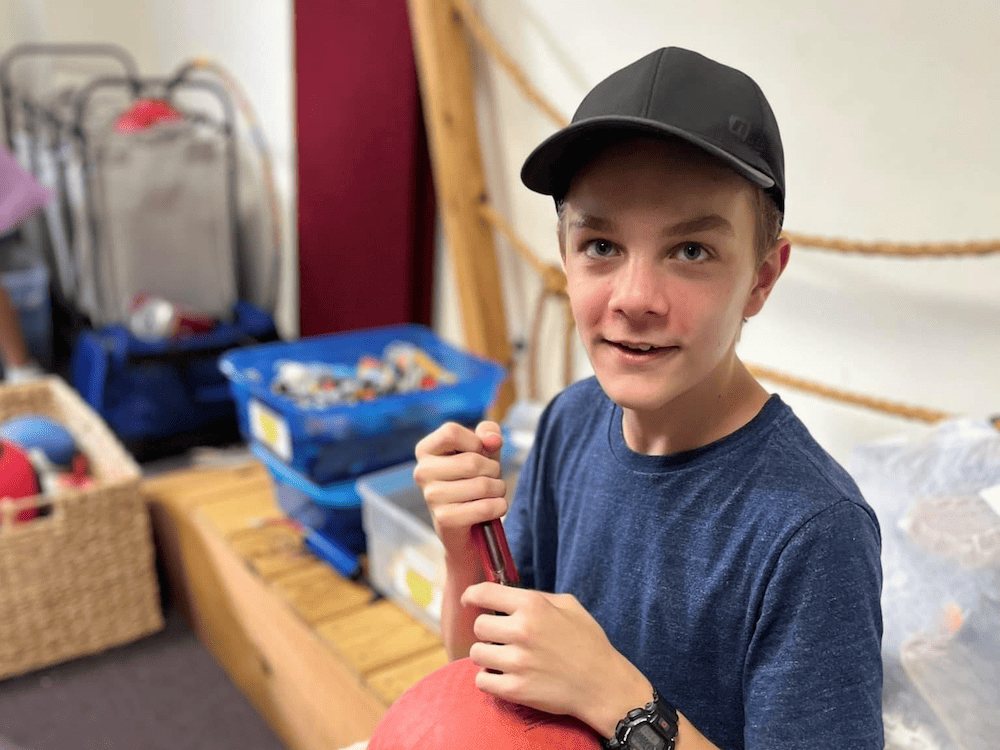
(992, 497)
(270, 428)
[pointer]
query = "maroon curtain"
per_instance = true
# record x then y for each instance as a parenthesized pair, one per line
(365, 195)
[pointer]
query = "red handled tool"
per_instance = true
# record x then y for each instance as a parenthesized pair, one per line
(491, 540)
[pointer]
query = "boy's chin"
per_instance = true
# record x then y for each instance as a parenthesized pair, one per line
(637, 397)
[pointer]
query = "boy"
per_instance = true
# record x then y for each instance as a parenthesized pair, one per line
(697, 571)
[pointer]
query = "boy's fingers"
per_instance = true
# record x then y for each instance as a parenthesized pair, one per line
(459, 466)
(493, 596)
(486, 427)
(447, 439)
(450, 492)
(465, 514)
(490, 435)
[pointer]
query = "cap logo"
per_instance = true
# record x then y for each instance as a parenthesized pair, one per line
(739, 127)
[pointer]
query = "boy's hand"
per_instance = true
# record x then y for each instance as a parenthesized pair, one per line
(552, 655)
(458, 470)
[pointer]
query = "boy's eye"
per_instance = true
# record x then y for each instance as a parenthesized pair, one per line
(599, 249)
(692, 251)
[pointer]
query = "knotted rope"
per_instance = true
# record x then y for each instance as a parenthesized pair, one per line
(554, 281)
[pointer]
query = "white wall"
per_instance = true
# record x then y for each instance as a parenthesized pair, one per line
(251, 39)
(889, 114)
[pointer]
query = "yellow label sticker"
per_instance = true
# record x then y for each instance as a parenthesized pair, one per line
(421, 590)
(270, 428)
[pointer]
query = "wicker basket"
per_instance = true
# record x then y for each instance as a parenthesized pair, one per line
(81, 577)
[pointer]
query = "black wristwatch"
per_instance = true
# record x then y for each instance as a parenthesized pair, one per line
(652, 727)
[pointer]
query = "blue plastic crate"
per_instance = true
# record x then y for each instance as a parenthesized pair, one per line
(344, 441)
(333, 509)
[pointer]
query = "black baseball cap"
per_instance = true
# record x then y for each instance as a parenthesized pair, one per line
(669, 92)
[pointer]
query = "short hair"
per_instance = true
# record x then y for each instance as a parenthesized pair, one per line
(767, 223)
(767, 220)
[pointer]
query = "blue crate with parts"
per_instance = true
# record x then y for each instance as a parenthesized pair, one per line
(342, 441)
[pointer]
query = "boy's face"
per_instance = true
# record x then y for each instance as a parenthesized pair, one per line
(657, 240)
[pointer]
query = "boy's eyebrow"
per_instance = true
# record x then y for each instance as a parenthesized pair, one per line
(705, 223)
(589, 221)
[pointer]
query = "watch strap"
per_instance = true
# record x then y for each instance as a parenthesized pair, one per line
(658, 713)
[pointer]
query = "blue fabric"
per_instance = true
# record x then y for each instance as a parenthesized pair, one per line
(742, 578)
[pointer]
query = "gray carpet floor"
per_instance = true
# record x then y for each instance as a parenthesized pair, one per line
(164, 692)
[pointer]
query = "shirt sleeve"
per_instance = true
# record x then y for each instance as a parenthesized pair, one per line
(813, 673)
(531, 525)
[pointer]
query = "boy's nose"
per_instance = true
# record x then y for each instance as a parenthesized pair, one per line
(636, 292)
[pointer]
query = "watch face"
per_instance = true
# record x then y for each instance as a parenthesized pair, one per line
(644, 737)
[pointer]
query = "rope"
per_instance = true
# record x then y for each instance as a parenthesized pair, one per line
(892, 408)
(545, 294)
(536, 329)
(554, 281)
(500, 224)
(554, 286)
(485, 39)
(896, 249)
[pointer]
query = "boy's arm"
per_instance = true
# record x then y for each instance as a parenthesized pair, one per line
(812, 677)
(547, 652)
(813, 673)
(458, 470)
(634, 692)
(457, 621)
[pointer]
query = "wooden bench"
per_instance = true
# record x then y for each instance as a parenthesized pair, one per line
(320, 657)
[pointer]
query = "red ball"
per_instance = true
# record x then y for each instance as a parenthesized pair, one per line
(446, 711)
(17, 477)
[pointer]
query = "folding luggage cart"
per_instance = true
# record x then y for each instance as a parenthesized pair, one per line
(145, 174)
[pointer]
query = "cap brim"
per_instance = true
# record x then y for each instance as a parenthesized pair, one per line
(550, 167)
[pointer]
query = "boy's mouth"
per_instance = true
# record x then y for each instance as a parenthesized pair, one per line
(638, 348)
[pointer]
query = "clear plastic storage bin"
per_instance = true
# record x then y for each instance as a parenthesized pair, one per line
(405, 556)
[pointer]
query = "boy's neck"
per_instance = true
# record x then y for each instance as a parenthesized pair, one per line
(717, 408)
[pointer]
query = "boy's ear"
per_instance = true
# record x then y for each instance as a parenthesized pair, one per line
(767, 275)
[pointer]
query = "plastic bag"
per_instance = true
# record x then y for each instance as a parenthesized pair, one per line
(940, 561)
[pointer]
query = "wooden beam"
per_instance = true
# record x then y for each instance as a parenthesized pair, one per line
(447, 84)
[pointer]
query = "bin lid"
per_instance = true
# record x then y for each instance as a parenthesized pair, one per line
(253, 367)
(343, 494)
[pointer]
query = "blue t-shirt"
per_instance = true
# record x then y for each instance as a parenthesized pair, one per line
(743, 578)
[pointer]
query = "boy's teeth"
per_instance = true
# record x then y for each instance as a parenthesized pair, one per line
(639, 347)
